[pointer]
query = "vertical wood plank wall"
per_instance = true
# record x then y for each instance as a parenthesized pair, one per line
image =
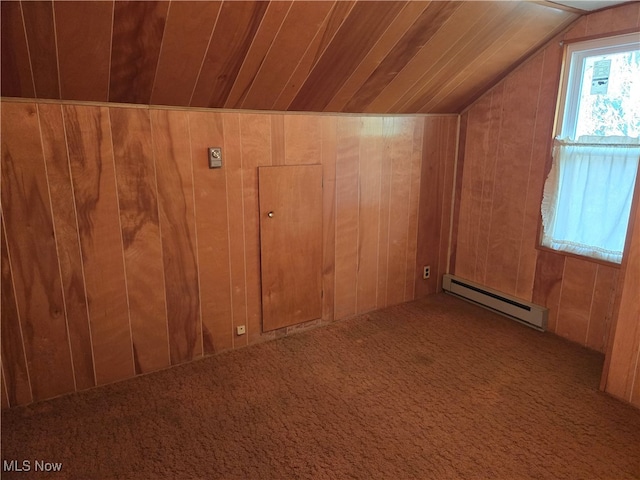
(507, 145)
(622, 366)
(123, 253)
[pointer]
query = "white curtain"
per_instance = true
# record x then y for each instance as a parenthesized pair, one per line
(588, 194)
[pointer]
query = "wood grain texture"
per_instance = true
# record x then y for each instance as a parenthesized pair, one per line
(513, 164)
(548, 284)
(3, 390)
(38, 23)
(397, 29)
(186, 37)
(540, 154)
(17, 79)
(83, 35)
(419, 68)
(235, 210)
(474, 192)
(400, 157)
(255, 152)
(371, 157)
(303, 139)
(360, 31)
(602, 307)
(291, 244)
(621, 366)
(394, 56)
(278, 150)
(299, 28)
(423, 29)
(138, 28)
(199, 230)
(172, 154)
(506, 157)
(15, 374)
(434, 208)
(414, 201)
(212, 231)
(578, 283)
(507, 19)
(236, 26)
(88, 136)
(611, 20)
(253, 61)
(339, 11)
(385, 214)
(139, 221)
(32, 249)
(67, 242)
(457, 187)
(346, 229)
(476, 76)
(328, 157)
(454, 134)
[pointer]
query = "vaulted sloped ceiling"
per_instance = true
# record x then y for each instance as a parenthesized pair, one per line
(335, 56)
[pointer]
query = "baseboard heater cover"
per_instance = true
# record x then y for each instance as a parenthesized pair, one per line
(529, 314)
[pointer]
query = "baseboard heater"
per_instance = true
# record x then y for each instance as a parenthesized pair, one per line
(529, 314)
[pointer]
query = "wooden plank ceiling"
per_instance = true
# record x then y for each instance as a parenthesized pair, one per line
(318, 56)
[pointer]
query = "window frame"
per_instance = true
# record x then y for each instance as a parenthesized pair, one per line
(571, 77)
(570, 83)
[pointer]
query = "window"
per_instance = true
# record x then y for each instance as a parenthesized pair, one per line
(588, 194)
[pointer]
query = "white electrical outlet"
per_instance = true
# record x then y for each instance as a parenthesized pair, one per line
(240, 330)
(426, 272)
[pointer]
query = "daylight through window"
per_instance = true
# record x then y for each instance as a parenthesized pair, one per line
(588, 194)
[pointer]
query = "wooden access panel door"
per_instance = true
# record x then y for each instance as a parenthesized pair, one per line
(290, 244)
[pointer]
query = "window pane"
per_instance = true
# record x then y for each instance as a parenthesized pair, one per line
(609, 104)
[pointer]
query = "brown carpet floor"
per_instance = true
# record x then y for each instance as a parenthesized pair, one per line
(433, 389)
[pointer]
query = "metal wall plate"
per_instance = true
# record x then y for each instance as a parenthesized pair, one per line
(215, 157)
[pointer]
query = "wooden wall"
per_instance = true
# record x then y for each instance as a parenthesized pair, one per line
(122, 253)
(505, 148)
(621, 376)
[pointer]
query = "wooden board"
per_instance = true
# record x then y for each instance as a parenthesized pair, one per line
(328, 75)
(602, 307)
(138, 28)
(346, 226)
(212, 231)
(67, 242)
(14, 361)
(289, 45)
(32, 251)
(256, 153)
(83, 35)
(88, 135)
(235, 211)
(578, 283)
(329, 141)
(399, 203)
(172, 154)
(397, 29)
(236, 26)
(38, 24)
(291, 244)
(269, 27)
(185, 40)
(17, 79)
(139, 222)
(371, 155)
(332, 22)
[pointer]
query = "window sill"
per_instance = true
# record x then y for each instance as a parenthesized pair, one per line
(579, 257)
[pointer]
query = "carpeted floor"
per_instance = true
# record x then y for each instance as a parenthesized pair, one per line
(433, 389)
